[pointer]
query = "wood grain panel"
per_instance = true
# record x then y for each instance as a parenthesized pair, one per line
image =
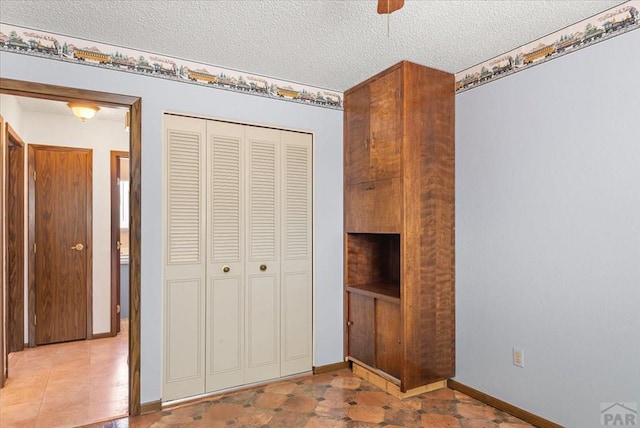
(356, 131)
(374, 207)
(385, 157)
(430, 163)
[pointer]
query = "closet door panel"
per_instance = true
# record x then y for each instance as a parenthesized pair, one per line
(184, 273)
(263, 254)
(225, 333)
(225, 256)
(263, 353)
(184, 365)
(297, 228)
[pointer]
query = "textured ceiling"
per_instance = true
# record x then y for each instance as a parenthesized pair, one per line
(332, 44)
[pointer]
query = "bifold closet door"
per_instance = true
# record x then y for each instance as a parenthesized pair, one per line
(296, 253)
(263, 254)
(238, 258)
(225, 308)
(184, 271)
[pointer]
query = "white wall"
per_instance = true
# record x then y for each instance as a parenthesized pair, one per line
(548, 234)
(11, 111)
(101, 136)
(160, 95)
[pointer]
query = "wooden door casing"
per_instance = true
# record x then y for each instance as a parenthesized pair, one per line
(15, 240)
(3, 350)
(62, 269)
(115, 161)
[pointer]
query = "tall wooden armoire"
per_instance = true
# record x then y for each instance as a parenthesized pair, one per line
(399, 228)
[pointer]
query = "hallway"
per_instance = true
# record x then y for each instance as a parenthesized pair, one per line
(67, 384)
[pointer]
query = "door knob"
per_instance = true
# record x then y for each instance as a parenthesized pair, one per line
(78, 247)
(226, 269)
(263, 267)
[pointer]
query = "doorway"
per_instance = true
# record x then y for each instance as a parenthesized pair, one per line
(52, 92)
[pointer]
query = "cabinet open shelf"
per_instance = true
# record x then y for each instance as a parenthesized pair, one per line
(380, 290)
(374, 263)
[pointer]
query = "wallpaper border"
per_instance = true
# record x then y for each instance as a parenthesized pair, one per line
(612, 22)
(598, 28)
(59, 47)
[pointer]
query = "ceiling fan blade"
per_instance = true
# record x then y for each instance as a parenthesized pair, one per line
(388, 6)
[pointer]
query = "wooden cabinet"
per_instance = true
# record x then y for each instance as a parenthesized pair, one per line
(373, 127)
(399, 225)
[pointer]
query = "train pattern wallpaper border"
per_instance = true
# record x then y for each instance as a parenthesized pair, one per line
(70, 49)
(610, 23)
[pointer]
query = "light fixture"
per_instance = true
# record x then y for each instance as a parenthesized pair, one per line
(83, 111)
(127, 121)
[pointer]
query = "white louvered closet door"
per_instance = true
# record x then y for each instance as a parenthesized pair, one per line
(263, 254)
(238, 265)
(225, 256)
(184, 272)
(296, 275)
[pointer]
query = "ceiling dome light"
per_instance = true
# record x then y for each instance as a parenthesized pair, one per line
(83, 111)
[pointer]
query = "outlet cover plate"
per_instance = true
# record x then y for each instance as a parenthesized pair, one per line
(518, 357)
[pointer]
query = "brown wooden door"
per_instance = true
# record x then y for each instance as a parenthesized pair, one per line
(61, 211)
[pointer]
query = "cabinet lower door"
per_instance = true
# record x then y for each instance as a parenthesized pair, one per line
(361, 328)
(388, 337)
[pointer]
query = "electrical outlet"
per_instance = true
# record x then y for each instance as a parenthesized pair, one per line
(518, 357)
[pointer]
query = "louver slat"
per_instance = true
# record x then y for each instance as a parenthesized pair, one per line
(296, 208)
(183, 197)
(225, 197)
(263, 199)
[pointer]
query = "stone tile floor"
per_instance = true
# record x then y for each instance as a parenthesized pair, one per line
(338, 399)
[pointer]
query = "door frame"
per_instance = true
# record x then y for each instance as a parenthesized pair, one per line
(14, 146)
(115, 157)
(3, 354)
(62, 93)
(32, 149)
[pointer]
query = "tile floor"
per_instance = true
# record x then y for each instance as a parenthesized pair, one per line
(337, 399)
(67, 384)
